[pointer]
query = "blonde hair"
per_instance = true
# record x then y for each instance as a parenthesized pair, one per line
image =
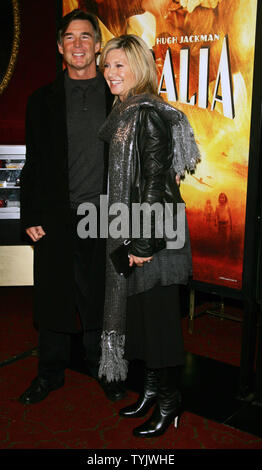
(140, 59)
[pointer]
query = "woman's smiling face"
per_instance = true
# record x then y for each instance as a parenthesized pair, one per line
(118, 73)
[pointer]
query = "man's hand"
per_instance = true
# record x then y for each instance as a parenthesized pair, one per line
(138, 260)
(35, 233)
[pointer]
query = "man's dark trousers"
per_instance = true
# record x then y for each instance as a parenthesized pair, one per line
(54, 348)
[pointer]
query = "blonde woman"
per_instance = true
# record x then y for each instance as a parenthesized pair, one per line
(151, 143)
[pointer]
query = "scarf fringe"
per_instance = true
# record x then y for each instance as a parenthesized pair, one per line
(112, 364)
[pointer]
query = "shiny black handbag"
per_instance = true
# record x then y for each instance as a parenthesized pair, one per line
(120, 259)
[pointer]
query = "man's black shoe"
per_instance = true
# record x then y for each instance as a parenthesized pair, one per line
(114, 391)
(38, 391)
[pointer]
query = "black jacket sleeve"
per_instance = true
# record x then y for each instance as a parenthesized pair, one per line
(155, 157)
(29, 194)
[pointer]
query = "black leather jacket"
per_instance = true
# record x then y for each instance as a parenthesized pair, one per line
(154, 180)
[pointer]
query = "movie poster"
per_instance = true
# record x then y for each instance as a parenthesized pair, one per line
(204, 51)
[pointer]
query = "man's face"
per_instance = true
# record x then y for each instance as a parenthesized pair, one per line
(79, 48)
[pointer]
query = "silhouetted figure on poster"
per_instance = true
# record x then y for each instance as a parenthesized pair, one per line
(209, 213)
(223, 220)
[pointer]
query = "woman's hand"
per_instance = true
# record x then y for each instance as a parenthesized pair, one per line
(138, 260)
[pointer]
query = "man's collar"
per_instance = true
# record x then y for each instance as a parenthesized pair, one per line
(96, 82)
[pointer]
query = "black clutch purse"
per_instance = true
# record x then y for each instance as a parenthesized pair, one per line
(120, 260)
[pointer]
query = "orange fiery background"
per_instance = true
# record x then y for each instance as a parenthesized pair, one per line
(223, 142)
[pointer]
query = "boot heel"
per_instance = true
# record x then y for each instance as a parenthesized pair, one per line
(176, 421)
(168, 408)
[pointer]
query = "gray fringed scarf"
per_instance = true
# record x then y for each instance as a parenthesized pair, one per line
(120, 130)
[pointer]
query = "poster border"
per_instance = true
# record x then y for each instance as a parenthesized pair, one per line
(250, 265)
(252, 222)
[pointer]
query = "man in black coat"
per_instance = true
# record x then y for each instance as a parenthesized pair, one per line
(65, 167)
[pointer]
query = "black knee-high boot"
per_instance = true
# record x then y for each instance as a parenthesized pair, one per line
(168, 407)
(146, 399)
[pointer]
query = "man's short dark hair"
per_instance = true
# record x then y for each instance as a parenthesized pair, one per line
(78, 15)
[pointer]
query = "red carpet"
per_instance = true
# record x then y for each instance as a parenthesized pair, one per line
(78, 416)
